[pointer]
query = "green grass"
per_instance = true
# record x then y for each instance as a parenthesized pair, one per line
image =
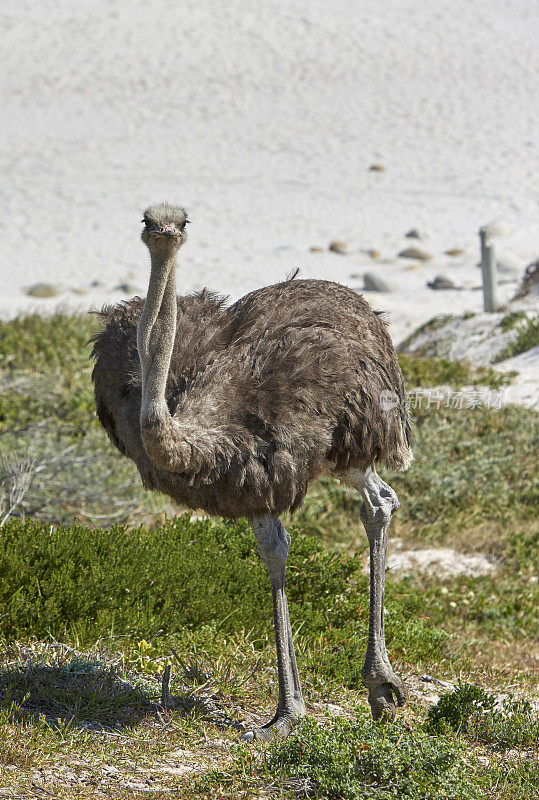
(512, 320)
(443, 372)
(358, 760)
(483, 717)
(196, 579)
(527, 334)
(196, 595)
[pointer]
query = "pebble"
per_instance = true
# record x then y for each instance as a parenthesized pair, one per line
(415, 233)
(498, 227)
(455, 251)
(373, 253)
(126, 288)
(43, 290)
(316, 249)
(412, 267)
(377, 168)
(336, 246)
(374, 283)
(79, 291)
(415, 252)
(442, 282)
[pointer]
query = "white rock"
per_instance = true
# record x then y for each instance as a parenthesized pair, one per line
(498, 227)
(374, 283)
(442, 561)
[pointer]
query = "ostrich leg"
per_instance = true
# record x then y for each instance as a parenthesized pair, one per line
(273, 542)
(378, 676)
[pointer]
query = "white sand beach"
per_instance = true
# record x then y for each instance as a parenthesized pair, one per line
(265, 122)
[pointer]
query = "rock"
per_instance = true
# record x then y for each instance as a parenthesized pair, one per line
(412, 267)
(316, 249)
(43, 290)
(97, 284)
(126, 288)
(455, 251)
(442, 282)
(415, 252)
(374, 253)
(530, 282)
(498, 227)
(355, 275)
(374, 283)
(377, 168)
(78, 291)
(337, 246)
(443, 561)
(415, 233)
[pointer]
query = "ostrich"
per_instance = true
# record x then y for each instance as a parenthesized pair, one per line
(235, 410)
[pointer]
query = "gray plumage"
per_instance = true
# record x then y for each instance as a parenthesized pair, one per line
(234, 410)
(281, 386)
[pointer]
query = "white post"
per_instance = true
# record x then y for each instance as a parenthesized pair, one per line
(489, 270)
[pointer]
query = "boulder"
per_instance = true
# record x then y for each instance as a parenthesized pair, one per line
(442, 282)
(415, 252)
(374, 283)
(43, 290)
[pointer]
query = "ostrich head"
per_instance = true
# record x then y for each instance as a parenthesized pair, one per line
(164, 228)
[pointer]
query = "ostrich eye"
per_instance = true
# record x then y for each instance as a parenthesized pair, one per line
(145, 221)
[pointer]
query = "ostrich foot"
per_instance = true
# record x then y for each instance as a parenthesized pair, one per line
(386, 691)
(281, 725)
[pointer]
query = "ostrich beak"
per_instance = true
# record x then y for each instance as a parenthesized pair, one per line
(165, 230)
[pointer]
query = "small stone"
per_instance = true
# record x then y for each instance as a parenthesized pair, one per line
(374, 254)
(455, 251)
(412, 267)
(96, 284)
(498, 227)
(337, 246)
(43, 290)
(415, 233)
(126, 288)
(374, 283)
(79, 291)
(442, 282)
(377, 168)
(415, 252)
(355, 275)
(316, 249)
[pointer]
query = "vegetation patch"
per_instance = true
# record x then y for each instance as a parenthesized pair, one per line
(527, 334)
(431, 325)
(186, 579)
(423, 371)
(359, 760)
(195, 595)
(485, 717)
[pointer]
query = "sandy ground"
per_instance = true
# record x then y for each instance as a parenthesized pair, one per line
(264, 121)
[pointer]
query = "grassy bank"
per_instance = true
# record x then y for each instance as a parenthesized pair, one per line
(101, 586)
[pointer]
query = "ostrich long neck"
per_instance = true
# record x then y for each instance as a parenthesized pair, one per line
(155, 335)
(170, 445)
(174, 445)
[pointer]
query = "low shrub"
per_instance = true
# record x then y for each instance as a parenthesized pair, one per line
(483, 717)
